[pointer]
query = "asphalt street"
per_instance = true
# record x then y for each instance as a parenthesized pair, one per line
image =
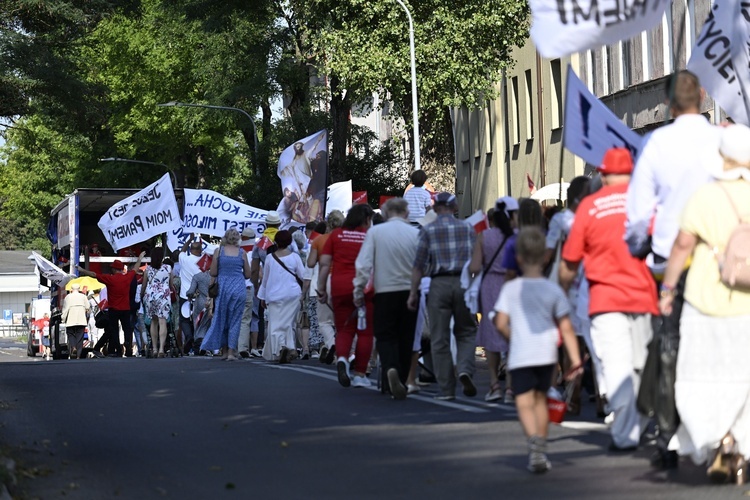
(202, 428)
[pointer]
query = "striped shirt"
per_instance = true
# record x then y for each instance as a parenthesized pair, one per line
(444, 246)
(419, 201)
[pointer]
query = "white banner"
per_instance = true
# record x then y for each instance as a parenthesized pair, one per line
(209, 212)
(720, 57)
(51, 271)
(149, 212)
(339, 197)
(563, 27)
(590, 127)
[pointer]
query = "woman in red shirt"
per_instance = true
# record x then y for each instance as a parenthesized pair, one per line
(341, 250)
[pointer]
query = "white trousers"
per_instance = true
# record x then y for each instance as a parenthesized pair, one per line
(620, 340)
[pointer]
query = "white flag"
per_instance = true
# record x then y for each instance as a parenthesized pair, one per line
(339, 197)
(149, 212)
(51, 271)
(562, 27)
(720, 57)
(590, 127)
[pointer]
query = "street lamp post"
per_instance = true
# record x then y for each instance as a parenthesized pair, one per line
(127, 160)
(227, 108)
(414, 109)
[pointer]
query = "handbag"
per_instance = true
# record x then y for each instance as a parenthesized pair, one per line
(101, 319)
(213, 288)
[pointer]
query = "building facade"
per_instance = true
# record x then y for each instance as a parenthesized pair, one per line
(521, 132)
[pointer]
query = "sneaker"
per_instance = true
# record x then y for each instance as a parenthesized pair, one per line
(509, 397)
(255, 353)
(342, 368)
(538, 462)
(412, 389)
(323, 354)
(244, 354)
(358, 381)
(314, 355)
(441, 397)
(494, 394)
(331, 356)
(470, 390)
(305, 355)
(398, 391)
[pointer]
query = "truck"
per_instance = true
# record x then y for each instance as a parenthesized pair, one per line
(76, 237)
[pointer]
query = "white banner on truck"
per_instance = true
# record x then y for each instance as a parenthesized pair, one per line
(150, 212)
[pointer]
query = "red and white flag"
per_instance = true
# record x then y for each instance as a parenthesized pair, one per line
(265, 243)
(247, 245)
(532, 186)
(479, 220)
(204, 263)
(359, 197)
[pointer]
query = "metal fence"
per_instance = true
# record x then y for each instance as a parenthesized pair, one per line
(13, 330)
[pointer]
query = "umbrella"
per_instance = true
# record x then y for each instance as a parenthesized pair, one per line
(551, 192)
(85, 282)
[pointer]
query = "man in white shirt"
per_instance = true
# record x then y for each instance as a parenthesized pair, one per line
(388, 254)
(675, 161)
(189, 268)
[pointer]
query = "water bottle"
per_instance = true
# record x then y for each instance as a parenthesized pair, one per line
(361, 318)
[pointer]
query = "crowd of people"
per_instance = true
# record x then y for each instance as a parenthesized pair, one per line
(648, 258)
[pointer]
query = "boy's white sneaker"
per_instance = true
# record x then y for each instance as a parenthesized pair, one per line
(358, 381)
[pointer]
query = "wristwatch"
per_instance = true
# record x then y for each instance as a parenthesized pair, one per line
(666, 291)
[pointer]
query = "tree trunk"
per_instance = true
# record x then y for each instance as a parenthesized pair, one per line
(341, 107)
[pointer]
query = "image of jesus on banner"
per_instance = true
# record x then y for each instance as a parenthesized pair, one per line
(301, 175)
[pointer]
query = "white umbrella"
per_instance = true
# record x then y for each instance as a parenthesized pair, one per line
(551, 192)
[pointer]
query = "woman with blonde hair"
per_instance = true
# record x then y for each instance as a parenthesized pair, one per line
(712, 387)
(230, 268)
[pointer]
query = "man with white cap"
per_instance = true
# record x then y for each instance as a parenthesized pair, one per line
(263, 247)
(249, 326)
(622, 295)
(75, 308)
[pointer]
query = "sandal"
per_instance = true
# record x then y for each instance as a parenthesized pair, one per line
(495, 393)
(160, 355)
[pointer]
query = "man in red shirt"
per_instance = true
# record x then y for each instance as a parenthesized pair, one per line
(118, 296)
(622, 293)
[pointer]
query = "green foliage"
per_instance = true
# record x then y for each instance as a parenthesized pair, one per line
(375, 167)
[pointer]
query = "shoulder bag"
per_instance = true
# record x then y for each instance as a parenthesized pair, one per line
(213, 288)
(276, 258)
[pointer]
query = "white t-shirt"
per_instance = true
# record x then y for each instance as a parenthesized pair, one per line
(188, 269)
(419, 201)
(534, 305)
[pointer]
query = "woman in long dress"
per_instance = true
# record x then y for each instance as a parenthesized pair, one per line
(230, 267)
(488, 251)
(156, 297)
(281, 293)
(712, 388)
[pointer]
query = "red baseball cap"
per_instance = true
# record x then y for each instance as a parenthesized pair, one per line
(118, 265)
(616, 161)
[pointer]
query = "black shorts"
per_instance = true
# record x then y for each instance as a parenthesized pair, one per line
(531, 378)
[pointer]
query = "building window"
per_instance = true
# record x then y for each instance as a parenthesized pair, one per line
(625, 77)
(516, 135)
(527, 107)
(489, 127)
(666, 34)
(646, 55)
(689, 29)
(557, 93)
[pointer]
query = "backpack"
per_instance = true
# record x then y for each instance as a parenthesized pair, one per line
(734, 263)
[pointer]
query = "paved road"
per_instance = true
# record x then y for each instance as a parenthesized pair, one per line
(202, 428)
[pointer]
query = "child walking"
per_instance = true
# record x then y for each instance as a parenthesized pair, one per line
(533, 312)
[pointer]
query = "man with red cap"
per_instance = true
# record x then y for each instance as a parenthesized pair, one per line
(118, 296)
(622, 293)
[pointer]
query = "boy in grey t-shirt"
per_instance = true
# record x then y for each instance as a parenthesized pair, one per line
(532, 312)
